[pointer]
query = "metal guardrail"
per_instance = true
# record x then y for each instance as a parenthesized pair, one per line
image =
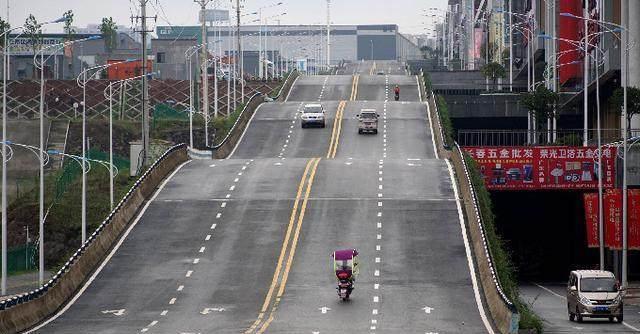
(523, 137)
(25, 297)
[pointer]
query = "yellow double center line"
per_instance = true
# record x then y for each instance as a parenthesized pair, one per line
(289, 245)
(354, 87)
(335, 134)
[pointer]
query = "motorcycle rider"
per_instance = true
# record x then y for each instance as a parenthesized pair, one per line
(397, 91)
(344, 270)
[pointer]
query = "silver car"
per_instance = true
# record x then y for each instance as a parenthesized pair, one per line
(594, 294)
(367, 121)
(312, 114)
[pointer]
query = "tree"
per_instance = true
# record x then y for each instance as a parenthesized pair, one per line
(68, 21)
(69, 32)
(109, 31)
(541, 103)
(4, 26)
(33, 31)
(493, 71)
(633, 103)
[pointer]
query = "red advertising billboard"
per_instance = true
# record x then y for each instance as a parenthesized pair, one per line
(569, 29)
(591, 219)
(613, 218)
(543, 167)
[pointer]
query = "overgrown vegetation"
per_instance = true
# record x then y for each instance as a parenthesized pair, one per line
(499, 253)
(445, 120)
(224, 124)
(427, 81)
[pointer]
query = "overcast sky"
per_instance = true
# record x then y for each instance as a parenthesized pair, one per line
(405, 13)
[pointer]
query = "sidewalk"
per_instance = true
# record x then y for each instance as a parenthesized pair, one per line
(633, 294)
(18, 284)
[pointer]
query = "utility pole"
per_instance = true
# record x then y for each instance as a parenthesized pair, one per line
(145, 84)
(239, 55)
(205, 77)
(329, 34)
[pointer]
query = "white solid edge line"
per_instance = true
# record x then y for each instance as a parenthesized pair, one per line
(433, 141)
(286, 99)
(113, 251)
(472, 271)
(562, 297)
(419, 92)
(244, 131)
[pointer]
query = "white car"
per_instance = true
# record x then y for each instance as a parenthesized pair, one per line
(312, 114)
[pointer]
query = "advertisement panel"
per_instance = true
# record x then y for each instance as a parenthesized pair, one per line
(591, 219)
(479, 40)
(301, 65)
(543, 167)
(23, 46)
(613, 218)
(569, 29)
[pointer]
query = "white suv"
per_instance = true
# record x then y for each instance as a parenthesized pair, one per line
(312, 114)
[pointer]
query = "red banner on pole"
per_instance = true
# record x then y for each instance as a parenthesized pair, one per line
(634, 218)
(613, 219)
(591, 219)
(543, 167)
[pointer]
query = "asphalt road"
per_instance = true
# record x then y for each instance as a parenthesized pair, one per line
(549, 302)
(242, 245)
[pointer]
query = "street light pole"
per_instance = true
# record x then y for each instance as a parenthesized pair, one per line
(510, 46)
(625, 84)
(5, 65)
(329, 33)
(205, 78)
(239, 54)
(585, 97)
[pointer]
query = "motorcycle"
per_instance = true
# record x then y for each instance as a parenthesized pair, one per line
(345, 266)
(397, 96)
(345, 287)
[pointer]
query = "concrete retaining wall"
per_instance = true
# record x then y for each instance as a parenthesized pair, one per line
(501, 310)
(26, 311)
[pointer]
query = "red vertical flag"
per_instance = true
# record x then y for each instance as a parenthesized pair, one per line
(591, 219)
(613, 219)
(633, 203)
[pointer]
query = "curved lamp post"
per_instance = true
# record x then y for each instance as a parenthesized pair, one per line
(625, 83)
(5, 56)
(82, 80)
(188, 54)
(39, 64)
(109, 96)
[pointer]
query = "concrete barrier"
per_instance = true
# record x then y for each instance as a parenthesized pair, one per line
(25, 311)
(503, 312)
(225, 148)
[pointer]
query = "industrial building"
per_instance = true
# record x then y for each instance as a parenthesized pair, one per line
(293, 42)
